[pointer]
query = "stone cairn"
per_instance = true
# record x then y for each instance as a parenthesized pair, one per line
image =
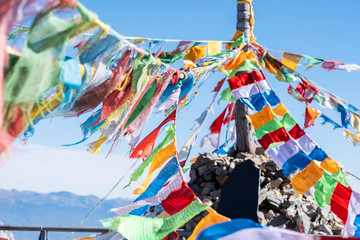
(278, 204)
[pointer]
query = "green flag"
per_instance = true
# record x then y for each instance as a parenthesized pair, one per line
(324, 189)
(271, 126)
(145, 228)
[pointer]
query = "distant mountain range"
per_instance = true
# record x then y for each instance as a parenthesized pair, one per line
(60, 208)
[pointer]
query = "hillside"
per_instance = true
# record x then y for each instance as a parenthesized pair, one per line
(60, 208)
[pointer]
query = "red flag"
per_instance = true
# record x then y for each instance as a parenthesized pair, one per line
(219, 85)
(145, 147)
(296, 132)
(178, 199)
(279, 135)
(340, 201)
(231, 111)
(216, 125)
(307, 91)
(246, 79)
(330, 65)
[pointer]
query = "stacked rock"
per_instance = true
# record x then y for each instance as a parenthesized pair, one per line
(279, 204)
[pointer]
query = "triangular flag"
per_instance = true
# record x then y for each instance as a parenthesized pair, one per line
(291, 60)
(310, 115)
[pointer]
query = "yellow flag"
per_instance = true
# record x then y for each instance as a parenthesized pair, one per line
(261, 118)
(214, 47)
(307, 178)
(280, 110)
(195, 53)
(291, 60)
(330, 165)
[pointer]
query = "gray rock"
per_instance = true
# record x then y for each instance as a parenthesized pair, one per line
(325, 211)
(221, 171)
(244, 155)
(212, 156)
(208, 177)
(278, 221)
(289, 192)
(274, 201)
(215, 206)
(262, 179)
(221, 179)
(290, 213)
(201, 160)
(193, 175)
(270, 215)
(262, 194)
(261, 218)
(259, 150)
(275, 183)
(203, 169)
(304, 220)
(190, 225)
(215, 193)
(271, 166)
(232, 166)
(325, 229)
(336, 228)
(195, 188)
(291, 199)
(207, 202)
(205, 191)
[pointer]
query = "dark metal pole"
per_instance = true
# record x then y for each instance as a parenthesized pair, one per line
(244, 130)
(53, 228)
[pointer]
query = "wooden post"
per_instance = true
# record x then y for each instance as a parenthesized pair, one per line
(244, 130)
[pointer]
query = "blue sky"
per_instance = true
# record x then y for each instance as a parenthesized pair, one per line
(316, 28)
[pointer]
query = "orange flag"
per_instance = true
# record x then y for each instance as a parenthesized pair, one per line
(310, 115)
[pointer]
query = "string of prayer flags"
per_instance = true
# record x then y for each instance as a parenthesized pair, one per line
(174, 183)
(159, 159)
(310, 115)
(165, 174)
